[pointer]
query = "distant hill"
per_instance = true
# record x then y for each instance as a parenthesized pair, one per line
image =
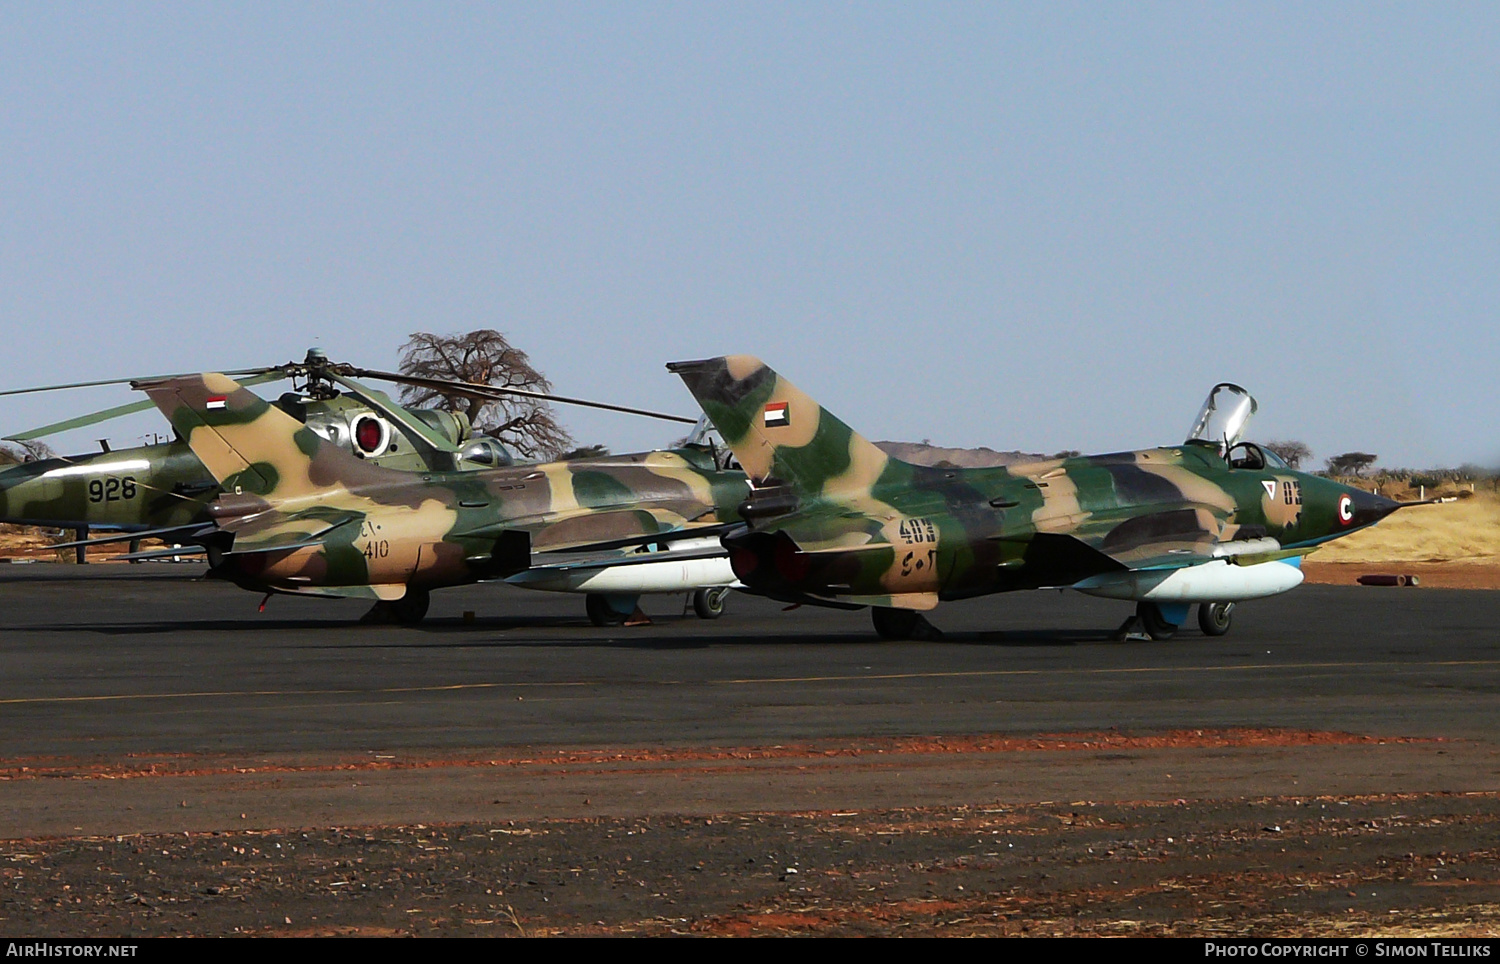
(920, 453)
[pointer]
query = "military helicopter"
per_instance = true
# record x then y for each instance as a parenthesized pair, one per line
(165, 490)
(163, 485)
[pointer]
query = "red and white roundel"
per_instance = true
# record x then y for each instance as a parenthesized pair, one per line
(1346, 509)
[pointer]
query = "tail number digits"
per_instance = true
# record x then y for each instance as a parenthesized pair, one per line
(916, 534)
(111, 489)
(915, 531)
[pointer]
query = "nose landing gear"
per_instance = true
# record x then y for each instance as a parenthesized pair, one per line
(1214, 618)
(1162, 622)
(709, 603)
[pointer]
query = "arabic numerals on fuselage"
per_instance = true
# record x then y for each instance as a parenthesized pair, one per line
(916, 541)
(375, 547)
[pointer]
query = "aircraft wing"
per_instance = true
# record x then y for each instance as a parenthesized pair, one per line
(187, 532)
(277, 531)
(1168, 539)
(588, 529)
(267, 531)
(1125, 540)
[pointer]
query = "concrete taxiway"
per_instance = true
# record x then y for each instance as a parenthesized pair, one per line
(174, 762)
(300, 716)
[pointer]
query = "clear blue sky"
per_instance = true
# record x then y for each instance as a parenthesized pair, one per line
(1035, 226)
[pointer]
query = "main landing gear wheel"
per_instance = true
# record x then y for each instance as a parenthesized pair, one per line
(902, 624)
(1153, 622)
(1214, 618)
(410, 609)
(709, 603)
(601, 613)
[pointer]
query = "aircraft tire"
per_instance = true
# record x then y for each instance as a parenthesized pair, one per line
(709, 603)
(411, 608)
(601, 613)
(894, 623)
(902, 624)
(1152, 621)
(1214, 618)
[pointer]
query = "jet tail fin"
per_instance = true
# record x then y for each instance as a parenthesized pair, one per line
(249, 446)
(776, 431)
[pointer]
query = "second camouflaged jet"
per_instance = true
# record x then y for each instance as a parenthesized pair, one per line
(300, 514)
(835, 521)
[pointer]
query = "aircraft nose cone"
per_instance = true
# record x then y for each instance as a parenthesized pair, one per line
(1358, 508)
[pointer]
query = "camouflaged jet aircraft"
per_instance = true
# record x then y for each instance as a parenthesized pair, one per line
(164, 491)
(300, 514)
(832, 520)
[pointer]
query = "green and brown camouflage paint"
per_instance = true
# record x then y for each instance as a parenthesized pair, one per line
(300, 514)
(835, 519)
(165, 485)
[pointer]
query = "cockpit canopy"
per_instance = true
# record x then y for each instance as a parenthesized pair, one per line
(1222, 421)
(1248, 455)
(708, 438)
(484, 451)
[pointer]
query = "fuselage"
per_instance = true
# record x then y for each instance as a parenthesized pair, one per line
(956, 533)
(147, 487)
(162, 485)
(428, 530)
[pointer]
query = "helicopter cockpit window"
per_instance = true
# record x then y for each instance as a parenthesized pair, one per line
(1225, 414)
(1246, 455)
(487, 452)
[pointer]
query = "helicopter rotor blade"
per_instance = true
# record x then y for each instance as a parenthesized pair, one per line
(497, 393)
(126, 381)
(130, 408)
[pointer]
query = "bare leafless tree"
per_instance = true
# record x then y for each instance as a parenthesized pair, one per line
(28, 451)
(1350, 463)
(529, 427)
(1292, 452)
(585, 452)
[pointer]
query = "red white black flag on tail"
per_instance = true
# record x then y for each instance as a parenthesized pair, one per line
(216, 401)
(776, 415)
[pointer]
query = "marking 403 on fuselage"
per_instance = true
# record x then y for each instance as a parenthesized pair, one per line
(836, 521)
